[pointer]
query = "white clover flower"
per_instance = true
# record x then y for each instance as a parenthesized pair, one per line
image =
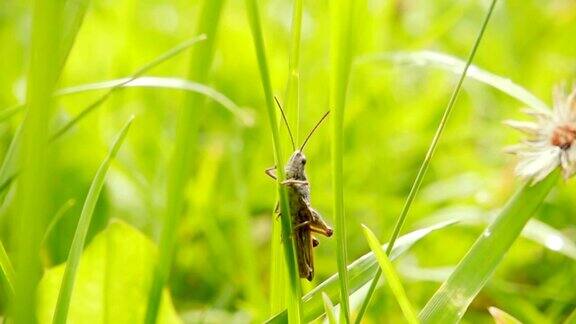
(552, 139)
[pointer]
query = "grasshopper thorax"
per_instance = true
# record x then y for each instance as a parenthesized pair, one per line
(295, 166)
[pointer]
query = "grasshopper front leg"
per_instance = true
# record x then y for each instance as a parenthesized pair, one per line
(271, 172)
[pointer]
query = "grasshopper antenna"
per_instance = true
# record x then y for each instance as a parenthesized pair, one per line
(314, 129)
(285, 122)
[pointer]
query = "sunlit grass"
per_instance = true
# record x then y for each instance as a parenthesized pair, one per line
(294, 289)
(179, 166)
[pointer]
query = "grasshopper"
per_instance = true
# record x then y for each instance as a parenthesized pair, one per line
(305, 219)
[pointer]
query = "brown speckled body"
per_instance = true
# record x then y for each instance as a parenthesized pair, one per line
(305, 220)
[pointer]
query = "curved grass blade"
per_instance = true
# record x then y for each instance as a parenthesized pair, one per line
(293, 301)
(341, 44)
(501, 317)
(455, 65)
(33, 190)
(535, 231)
(77, 246)
(426, 162)
(391, 277)
(57, 217)
(8, 274)
(182, 153)
(360, 272)
(160, 59)
(74, 13)
(329, 309)
(451, 300)
(9, 169)
(244, 115)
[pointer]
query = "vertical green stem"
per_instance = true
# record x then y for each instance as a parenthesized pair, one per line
(292, 104)
(33, 186)
(186, 133)
(293, 88)
(426, 163)
(294, 300)
(341, 16)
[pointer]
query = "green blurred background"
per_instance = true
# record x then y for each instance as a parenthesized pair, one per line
(221, 268)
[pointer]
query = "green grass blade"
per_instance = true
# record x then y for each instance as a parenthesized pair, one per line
(65, 293)
(293, 87)
(74, 13)
(455, 65)
(501, 317)
(536, 231)
(9, 169)
(181, 157)
(391, 277)
(341, 44)
(294, 293)
(244, 115)
(426, 162)
(329, 309)
(57, 217)
(451, 300)
(8, 274)
(33, 190)
(160, 59)
(360, 272)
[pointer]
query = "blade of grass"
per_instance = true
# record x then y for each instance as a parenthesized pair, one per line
(186, 133)
(454, 65)
(8, 274)
(9, 169)
(329, 309)
(57, 217)
(451, 300)
(341, 43)
(244, 115)
(160, 59)
(425, 164)
(74, 13)
(292, 106)
(536, 230)
(391, 277)
(360, 272)
(33, 190)
(294, 294)
(65, 293)
(293, 87)
(501, 317)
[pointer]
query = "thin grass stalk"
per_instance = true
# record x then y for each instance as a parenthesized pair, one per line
(426, 163)
(294, 290)
(9, 170)
(8, 274)
(293, 88)
(67, 285)
(74, 13)
(292, 106)
(391, 277)
(32, 197)
(341, 16)
(186, 134)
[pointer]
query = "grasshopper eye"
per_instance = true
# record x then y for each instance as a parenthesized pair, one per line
(303, 161)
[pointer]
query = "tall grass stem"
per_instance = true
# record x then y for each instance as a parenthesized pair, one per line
(294, 302)
(341, 43)
(186, 134)
(426, 163)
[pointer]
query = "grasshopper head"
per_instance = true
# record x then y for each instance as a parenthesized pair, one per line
(295, 166)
